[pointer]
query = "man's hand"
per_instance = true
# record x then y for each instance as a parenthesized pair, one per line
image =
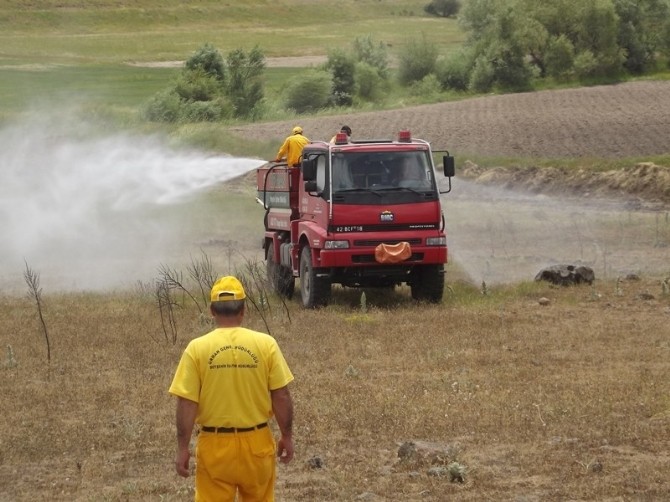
(186, 412)
(285, 449)
(182, 463)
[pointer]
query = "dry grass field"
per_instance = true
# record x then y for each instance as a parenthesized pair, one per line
(496, 396)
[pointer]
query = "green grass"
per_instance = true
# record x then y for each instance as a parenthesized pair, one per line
(113, 32)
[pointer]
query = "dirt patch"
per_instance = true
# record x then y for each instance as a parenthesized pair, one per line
(281, 62)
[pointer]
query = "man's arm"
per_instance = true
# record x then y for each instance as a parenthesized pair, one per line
(282, 407)
(283, 150)
(186, 413)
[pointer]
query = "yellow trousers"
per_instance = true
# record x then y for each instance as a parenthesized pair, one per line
(241, 463)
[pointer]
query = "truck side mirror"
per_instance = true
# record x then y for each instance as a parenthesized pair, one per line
(310, 186)
(449, 166)
(309, 169)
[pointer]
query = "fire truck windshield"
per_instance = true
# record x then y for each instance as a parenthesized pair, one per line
(389, 170)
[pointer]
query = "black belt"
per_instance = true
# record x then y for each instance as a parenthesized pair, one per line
(220, 430)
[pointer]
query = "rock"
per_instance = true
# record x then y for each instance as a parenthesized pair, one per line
(437, 471)
(544, 301)
(315, 463)
(407, 450)
(566, 275)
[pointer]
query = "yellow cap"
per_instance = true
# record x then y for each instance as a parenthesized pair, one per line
(227, 288)
(297, 130)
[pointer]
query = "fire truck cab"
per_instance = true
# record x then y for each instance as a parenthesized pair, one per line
(361, 214)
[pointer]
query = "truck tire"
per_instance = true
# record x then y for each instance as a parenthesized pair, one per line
(315, 291)
(427, 283)
(280, 277)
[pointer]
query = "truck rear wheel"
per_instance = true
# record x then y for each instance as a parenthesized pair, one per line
(280, 277)
(315, 291)
(427, 283)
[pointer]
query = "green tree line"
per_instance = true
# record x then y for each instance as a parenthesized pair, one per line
(511, 45)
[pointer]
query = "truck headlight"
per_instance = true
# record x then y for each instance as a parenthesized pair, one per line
(436, 241)
(336, 245)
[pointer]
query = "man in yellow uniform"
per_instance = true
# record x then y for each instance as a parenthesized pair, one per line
(231, 381)
(292, 147)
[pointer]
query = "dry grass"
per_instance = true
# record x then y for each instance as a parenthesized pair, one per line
(565, 401)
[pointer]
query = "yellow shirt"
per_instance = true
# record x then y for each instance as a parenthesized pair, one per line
(229, 373)
(292, 149)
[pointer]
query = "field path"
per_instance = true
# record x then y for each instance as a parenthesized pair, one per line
(614, 121)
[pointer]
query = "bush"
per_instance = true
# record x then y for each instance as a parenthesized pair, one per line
(369, 84)
(207, 59)
(443, 8)
(197, 85)
(373, 54)
(163, 107)
(427, 88)
(454, 71)
(560, 57)
(586, 65)
(482, 76)
(309, 92)
(342, 68)
(245, 85)
(416, 60)
(205, 111)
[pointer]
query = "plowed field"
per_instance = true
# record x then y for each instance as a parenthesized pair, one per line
(624, 120)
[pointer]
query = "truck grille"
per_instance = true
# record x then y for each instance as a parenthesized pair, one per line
(375, 243)
(370, 258)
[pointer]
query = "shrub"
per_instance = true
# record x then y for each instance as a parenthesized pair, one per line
(416, 60)
(443, 8)
(309, 92)
(342, 68)
(427, 88)
(162, 107)
(197, 85)
(454, 71)
(245, 86)
(205, 111)
(482, 76)
(373, 54)
(560, 57)
(586, 64)
(369, 83)
(207, 59)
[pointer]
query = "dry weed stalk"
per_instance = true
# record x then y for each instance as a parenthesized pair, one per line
(32, 279)
(11, 361)
(166, 308)
(202, 272)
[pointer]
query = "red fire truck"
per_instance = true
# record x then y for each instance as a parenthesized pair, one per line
(357, 213)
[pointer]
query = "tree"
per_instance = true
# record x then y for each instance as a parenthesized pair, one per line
(309, 92)
(208, 60)
(342, 67)
(245, 84)
(642, 26)
(443, 8)
(416, 60)
(366, 50)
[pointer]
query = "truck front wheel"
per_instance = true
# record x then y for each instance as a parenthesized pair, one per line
(427, 283)
(315, 290)
(280, 277)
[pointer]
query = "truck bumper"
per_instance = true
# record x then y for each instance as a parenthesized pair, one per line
(356, 257)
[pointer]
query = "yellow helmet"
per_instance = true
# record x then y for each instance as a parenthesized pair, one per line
(297, 130)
